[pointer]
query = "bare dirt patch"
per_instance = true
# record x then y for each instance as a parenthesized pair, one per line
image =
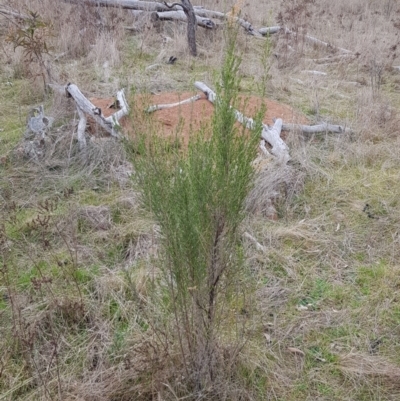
(185, 119)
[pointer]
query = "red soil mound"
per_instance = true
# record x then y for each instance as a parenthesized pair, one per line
(190, 117)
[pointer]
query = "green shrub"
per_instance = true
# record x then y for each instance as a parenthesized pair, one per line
(197, 197)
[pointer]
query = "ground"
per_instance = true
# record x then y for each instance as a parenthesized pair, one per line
(83, 307)
(187, 118)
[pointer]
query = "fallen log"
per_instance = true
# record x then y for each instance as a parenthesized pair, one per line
(203, 16)
(81, 129)
(270, 134)
(179, 15)
(269, 30)
(315, 72)
(333, 59)
(321, 43)
(202, 12)
(14, 14)
(310, 39)
(170, 105)
(127, 4)
(316, 129)
(85, 107)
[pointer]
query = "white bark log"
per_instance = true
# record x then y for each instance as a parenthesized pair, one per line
(110, 124)
(269, 30)
(179, 15)
(315, 72)
(222, 16)
(315, 129)
(318, 42)
(14, 14)
(203, 15)
(81, 129)
(263, 148)
(170, 105)
(128, 4)
(123, 111)
(333, 59)
(273, 136)
(307, 38)
(270, 134)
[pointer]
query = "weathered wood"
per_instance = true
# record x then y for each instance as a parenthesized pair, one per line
(333, 59)
(270, 134)
(37, 123)
(14, 14)
(200, 11)
(127, 4)
(177, 15)
(273, 136)
(319, 128)
(247, 26)
(307, 38)
(263, 148)
(318, 42)
(269, 30)
(315, 72)
(170, 105)
(180, 15)
(87, 107)
(110, 124)
(36, 136)
(191, 26)
(123, 111)
(81, 129)
(203, 16)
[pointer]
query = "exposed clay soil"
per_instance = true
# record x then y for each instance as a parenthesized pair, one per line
(184, 119)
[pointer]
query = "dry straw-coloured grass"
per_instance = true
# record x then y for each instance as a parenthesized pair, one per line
(326, 279)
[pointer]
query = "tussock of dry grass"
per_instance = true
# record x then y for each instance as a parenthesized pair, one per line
(371, 368)
(274, 186)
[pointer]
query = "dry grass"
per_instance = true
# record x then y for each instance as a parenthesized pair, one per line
(79, 303)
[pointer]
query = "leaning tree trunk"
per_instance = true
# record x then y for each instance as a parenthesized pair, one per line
(191, 25)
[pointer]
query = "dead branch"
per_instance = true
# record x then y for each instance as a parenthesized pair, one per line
(307, 38)
(14, 14)
(180, 15)
(319, 128)
(270, 134)
(333, 59)
(110, 124)
(127, 4)
(258, 246)
(200, 11)
(81, 129)
(269, 30)
(170, 105)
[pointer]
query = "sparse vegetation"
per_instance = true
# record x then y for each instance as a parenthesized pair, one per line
(97, 300)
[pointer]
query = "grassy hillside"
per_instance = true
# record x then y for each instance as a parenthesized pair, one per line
(312, 311)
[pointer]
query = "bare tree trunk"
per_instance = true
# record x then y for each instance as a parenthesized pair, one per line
(191, 26)
(191, 23)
